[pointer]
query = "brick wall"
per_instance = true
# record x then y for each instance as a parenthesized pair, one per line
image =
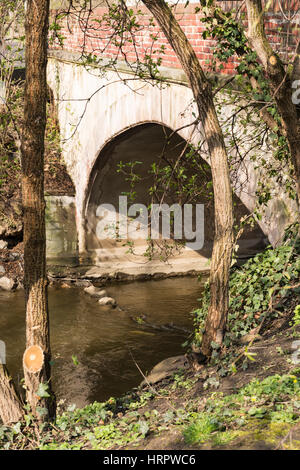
(282, 27)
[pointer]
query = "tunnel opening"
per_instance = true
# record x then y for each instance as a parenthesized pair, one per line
(144, 155)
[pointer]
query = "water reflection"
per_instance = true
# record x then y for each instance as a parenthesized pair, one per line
(106, 342)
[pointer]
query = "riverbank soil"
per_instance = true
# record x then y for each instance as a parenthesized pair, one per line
(257, 408)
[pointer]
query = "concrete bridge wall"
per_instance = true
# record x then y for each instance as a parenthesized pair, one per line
(94, 110)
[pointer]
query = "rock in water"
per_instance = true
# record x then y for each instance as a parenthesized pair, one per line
(6, 283)
(165, 369)
(108, 301)
(2, 270)
(90, 290)
(101, 294)
(3, 245)
(65, 285)
(95, 292)
(82, 283)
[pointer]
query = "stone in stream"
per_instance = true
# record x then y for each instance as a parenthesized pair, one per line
(95, 292)
(166, 369)
(15, 256)
(65, 285)
(82, 283)
(2, 270)
(108, 301)
(7, 284)
(3, 245)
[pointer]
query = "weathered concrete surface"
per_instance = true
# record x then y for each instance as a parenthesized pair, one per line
(112, 110)
(94, 110)
(61, 234)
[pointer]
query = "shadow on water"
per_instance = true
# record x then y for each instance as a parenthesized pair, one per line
(104, 341)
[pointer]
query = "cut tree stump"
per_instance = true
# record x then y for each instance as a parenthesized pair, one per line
(33, 359)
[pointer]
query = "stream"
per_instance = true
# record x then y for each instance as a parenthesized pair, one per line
(105, 342)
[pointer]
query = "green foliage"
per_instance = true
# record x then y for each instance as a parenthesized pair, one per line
(43, 390)
(272, 400)
(201, 429)
(273, 387)
(218, 419)
(256, 288)
(183, 181)
(296, 319)
(75, 360)
(180, 381)
(231, 41)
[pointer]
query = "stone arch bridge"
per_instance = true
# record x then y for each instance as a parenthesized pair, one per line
(113, 117)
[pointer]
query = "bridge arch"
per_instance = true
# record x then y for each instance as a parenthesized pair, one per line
(146, 143)
(94, 110)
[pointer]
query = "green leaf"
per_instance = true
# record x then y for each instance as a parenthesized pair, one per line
(143, 427)
(43, 391)
(41, 411)
(75, 360)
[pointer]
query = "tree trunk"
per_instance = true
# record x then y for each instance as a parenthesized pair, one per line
(280, 82)
(11, 410)
(223, 242)
(32, 148)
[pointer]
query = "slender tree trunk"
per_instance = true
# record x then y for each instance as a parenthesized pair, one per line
(280, 82)
(36, 368)
(223, 242)
(11, 410)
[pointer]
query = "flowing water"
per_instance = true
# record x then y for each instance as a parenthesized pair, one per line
(106, 342)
